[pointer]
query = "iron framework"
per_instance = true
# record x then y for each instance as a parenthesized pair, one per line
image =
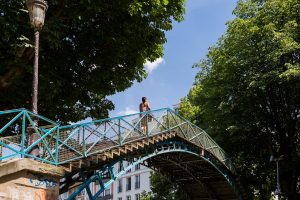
(104, 142)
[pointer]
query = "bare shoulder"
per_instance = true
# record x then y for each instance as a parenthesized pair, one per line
(147, 104)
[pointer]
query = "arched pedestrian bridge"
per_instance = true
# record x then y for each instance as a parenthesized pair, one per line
(160, 139)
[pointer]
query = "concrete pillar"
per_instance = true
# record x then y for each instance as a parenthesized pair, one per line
(27, 179)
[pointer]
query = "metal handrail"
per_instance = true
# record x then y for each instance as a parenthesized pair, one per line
(62, 144)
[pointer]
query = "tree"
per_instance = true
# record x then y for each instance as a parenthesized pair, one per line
(163, 189)
(247, 94)
(88, 51)
(145, 195)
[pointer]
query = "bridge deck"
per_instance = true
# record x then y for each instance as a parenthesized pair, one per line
(96, 160)
(87, 147)
(199, 179)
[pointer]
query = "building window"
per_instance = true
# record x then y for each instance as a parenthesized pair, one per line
(107, 192)
(137, 167)
(137, 181)
(120, 198)
(128, 164)
(120, 166)
(128, 197)
(120, 185)
(137, 196)
(128, 184)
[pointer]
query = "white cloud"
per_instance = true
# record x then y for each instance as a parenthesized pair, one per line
(150, 66)
(128, 111)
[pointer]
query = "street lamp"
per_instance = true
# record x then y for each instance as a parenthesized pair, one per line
(277, 159)
(37, 10)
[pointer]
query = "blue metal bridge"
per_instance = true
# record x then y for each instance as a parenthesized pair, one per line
(159, 139)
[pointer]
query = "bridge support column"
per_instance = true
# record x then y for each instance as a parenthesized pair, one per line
(27, 179)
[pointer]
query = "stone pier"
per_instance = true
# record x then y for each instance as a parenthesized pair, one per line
(27, 179)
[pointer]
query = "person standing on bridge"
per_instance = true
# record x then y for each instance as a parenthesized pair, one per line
(144, 107)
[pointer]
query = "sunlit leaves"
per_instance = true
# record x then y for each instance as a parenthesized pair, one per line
(88, 51)
(250, 91)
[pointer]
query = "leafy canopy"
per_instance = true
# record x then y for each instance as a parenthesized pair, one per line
(163, 188)
(247, 94)
(88, 51)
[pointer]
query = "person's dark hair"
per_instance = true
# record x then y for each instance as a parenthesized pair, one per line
(144, 99)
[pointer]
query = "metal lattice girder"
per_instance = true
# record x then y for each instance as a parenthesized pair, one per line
(92, 145)
(64, 144)
(161, 148)
(14, 128)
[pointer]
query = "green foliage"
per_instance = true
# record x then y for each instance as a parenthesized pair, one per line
(249, 96)
(145, 196)
(163, 189)
(88, 51)
(188, 106)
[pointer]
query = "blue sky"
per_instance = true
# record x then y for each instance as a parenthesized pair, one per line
(171, 77)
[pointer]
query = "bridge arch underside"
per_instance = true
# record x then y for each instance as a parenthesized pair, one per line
(199, 179)
(199, 174)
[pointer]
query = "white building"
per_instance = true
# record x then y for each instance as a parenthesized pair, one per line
(126, 187)
(130, 185)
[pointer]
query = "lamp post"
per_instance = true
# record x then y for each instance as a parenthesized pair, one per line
(37, 10)
(277, 159)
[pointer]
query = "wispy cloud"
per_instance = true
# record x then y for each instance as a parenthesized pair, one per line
(128, 111)
(150, 66)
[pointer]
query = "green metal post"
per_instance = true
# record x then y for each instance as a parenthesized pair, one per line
(23, 134)
(83, 142)
(56, 147)
(168, 120)
(119, 132)
(147, 127)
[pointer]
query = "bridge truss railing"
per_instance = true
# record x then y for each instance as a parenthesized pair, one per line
(62, 144)
(16, 128)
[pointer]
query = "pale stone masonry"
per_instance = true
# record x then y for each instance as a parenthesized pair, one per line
(26, 179)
